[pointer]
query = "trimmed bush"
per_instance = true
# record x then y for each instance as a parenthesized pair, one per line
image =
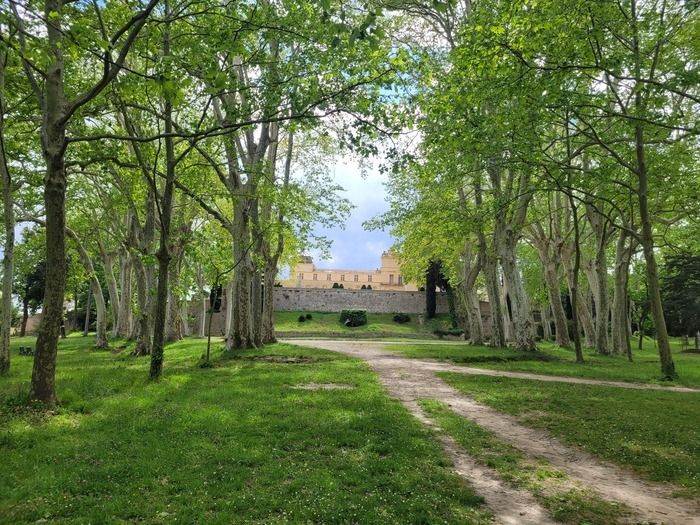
(302, 319)
(309, 317)
(335, 286)
(401, 318)
(353, 317)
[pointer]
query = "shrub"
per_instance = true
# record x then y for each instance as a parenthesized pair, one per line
(451, 331)
(353, 317)
(302, 318)
(335, 285)
(401, 318)
(341, 285)
(309, 317)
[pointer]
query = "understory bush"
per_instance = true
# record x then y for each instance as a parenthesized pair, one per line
(302, 319)
(401, 318)
(353, 317)
(450, 331)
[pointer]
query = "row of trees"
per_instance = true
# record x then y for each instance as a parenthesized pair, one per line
(558, 158)
(171, 143)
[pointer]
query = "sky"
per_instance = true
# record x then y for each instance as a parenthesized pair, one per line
(353, 247)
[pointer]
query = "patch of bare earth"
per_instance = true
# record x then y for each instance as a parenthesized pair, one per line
(412, 379)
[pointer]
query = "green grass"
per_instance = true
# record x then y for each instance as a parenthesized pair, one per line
(230, 444)
(553, 360)
(656, 433)
(566, 502)
(377, 324)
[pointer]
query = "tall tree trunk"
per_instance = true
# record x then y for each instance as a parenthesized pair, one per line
(268, 313)
(25, 318)
(668, 368)
(546, 322)
(256, 306)
(241, 330)
(173, 327)
(523, 336)
(53, 143)
(88, 308)
(9, 224)
(620, 313)
(163, 254)
(112, 289)
(551, 277)
(143, 326)
(123, 314)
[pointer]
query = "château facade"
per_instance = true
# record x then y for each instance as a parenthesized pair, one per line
(387, 277)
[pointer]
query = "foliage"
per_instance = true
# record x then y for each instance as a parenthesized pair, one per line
(401, 318)
(681, 288)
(353, 318)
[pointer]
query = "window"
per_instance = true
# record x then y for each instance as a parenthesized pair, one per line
(301, 276)
(315, 277)
(342, 277)
(328, 277)
(400, 279)
(369, 278)
(357, 278)
(391, 278)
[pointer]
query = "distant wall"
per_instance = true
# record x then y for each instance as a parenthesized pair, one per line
(334, 300)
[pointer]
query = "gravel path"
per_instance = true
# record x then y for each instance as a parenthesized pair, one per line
(410, 380)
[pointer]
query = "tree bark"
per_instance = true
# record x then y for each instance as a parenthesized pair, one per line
(25, 318)
(112, 289)
(124, 312)
(9, 224)
(620, 311)
(53, 142)
(268, 314)
(164, 255)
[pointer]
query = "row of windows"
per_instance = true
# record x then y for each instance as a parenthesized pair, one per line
(356, 278)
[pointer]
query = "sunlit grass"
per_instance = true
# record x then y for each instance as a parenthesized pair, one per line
(229, 444)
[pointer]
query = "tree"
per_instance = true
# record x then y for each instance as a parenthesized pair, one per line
(45, 57)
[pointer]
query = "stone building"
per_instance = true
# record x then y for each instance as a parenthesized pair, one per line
(386, 277)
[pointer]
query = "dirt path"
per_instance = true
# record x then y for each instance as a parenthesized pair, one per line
(412, 379)
(434, 365)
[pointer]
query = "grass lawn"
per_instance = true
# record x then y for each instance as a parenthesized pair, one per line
(558, 361)
(656, 433)
(235, 443)
(377, 324)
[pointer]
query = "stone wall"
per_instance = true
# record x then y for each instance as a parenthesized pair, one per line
(335, 300)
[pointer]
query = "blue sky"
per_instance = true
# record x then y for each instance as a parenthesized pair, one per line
(353, 247)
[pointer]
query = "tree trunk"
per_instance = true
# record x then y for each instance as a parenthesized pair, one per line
(523, 336)
(668, 368)
(268, 313)
(545, 319)
(53, 143)
(112, 290)
(88, 308)
(601, 302)
(551, 277)
(256, 305)
(143, 325)
(166, 208)
(241, 330)
(122, 327)
(9, 224)
(498, 334)
(25, 318)
(620, 310)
